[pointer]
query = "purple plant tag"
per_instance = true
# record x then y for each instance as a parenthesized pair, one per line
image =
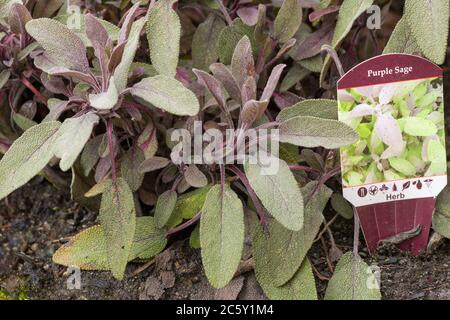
(394, 172)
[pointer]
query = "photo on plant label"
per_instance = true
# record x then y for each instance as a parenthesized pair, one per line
(401, 131)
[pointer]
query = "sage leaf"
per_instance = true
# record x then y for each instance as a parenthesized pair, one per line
(88, 250)
(163, 34)
(188, 205)
(426, 20)
(349, 11)
(118, 219)
(194, 239)
(4, 77)
(242, 63)
(148, 241)
(129, 168)
(90, 156)
(61, 44)
(402, 40)
(27, 156)
(279, 193)
(72, 137)
(286, 248)
(164, 207)
(153, 164)
(123, 69)
(288, 20)
(221, 235)
(300, 287)
(342, 206)
(194, 177)
(313, 132)
(223, 74)
(5, 7)
(105, 100)
(272, 82)
(168, 94)
(352, 280)
(205, 43)
(230, 36)
(319, 108)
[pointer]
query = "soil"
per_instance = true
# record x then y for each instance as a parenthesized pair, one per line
(36, 219)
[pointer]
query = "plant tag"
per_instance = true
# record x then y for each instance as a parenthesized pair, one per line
(394, 172)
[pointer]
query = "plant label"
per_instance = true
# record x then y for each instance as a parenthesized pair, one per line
(394, 172)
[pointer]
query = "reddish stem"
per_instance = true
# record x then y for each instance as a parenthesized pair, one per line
(33, 89)
(259, 208)
(184, 225)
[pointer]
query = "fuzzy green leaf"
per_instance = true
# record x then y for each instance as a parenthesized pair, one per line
(72, 136)
(402, 40)
(300, 287)
(163, 34)
(90, 156)
(320, 108)
(87, 250)
(230, 36)
(61, 44)
(242, 63)
(288, 20)
(341, 206)
(123, 69)
(314, 132)
(279, 193)
(129, 168)
(164, 207)
(105, 100)
(27, 156)
(205, 43)
(168, 94)
(221, 235)
(428, 21)
(349, 11)
(287, 249)
(118, 219)
(352, 280)
(194, 239)
(4, 77)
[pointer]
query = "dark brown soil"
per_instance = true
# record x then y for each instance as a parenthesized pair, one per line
(35, 220)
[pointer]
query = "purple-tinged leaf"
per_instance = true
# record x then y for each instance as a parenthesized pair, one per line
(272, 82)
(153, 164)
(126, 26)
(18, 18)
(248, 91)
(61, 44)
(194, 177)
(242, 63)
(312, 45)
(212, 85)
(95, 31)
(248, 15)
(252, 110)
(223, 74)
(317, 14)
